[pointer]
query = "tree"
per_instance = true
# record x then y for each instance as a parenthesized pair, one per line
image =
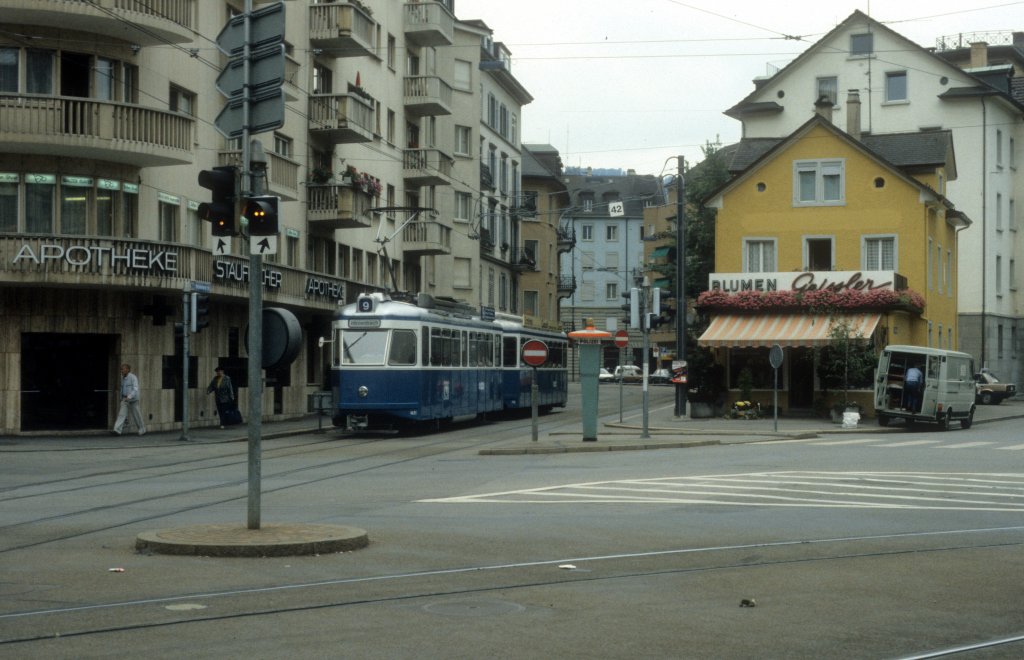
(847, 360)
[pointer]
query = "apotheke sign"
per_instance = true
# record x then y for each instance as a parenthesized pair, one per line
(96, 257)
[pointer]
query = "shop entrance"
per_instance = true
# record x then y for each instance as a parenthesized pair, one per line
(65, 381)
(801, 378)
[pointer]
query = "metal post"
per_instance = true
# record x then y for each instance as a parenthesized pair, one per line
(255, 338)
(681, 388)
(533, 405)
(186, 299)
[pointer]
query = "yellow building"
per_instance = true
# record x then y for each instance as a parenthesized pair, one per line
(826, 226)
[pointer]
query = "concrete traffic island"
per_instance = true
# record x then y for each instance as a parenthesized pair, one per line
(236, 540)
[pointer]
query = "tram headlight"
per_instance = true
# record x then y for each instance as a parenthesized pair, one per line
(363, 391)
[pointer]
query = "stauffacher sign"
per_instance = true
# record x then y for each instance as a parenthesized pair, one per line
(856, 280)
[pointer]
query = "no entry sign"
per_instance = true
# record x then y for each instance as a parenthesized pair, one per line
(621, 338)
(535, 353)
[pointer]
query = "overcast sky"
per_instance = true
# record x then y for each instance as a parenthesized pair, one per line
(631, 83)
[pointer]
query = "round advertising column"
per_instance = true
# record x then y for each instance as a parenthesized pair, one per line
(589, 341)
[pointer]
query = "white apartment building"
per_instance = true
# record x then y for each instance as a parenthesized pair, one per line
(106, 122)
(903, 87)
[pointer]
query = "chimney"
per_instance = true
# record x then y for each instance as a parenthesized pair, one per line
(979, 54)
(823, 107)
(853, 114)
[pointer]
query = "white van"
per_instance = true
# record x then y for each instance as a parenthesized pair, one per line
(948, 386)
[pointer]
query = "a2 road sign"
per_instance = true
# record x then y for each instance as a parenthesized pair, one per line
(535, 353)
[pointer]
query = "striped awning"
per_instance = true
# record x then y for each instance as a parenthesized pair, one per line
(765, 330)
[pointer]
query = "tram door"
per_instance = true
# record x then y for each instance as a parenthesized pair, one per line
(66, 381)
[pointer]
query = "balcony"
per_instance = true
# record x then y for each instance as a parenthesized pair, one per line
(341, 118)
(486, 178)
(74, 127)
(525, 205)
(566, 285)
(522, 259)
(486, 241)
(429, 24)
(426, 237)
(345, 29)
(427, 95)
(282, 173)
(566, 239)
(427, 167)
(337, 207)
(148, 23)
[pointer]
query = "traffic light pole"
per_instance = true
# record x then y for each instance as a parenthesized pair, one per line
(255, 338)
(186, 332)
(681, 388)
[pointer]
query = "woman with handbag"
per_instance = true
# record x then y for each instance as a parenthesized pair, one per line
(223, 396)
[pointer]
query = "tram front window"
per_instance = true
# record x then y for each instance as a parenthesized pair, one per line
(364, 346)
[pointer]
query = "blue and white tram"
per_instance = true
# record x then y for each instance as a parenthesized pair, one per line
(517, 377)
(395, 362)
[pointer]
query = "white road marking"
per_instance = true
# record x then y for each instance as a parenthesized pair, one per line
(869, 490)
(1012, 448)
(964, 445)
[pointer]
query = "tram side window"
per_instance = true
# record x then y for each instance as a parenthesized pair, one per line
(457, 348)
(425, 352)
(403, 348)
(497, 351)
(556, 354)
(509, 353)
(436, 354)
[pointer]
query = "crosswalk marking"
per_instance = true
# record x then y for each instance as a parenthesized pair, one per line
(965, 445)
(1013, 448)
(910, 443)
(997, 492)
(858, 441)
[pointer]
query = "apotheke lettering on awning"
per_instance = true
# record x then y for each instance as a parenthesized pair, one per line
(97, 257)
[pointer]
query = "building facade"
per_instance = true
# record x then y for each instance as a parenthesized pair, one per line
(105, 124)
(823, 229)
(904, 88)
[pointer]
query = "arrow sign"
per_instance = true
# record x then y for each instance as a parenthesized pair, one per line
(266, 24)
(266, 70)
(535, 353)
(266, 112)
(222, 247)
(266, 245)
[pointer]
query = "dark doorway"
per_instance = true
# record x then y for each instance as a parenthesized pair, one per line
(801, 378)
(66, 381)
(75, 73)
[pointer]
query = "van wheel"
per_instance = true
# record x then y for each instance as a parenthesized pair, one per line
(946, 420)
(967, 421)
(883, 420)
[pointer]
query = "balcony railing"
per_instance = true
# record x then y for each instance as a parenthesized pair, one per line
(142, 22)
(427, 167)
(426, 237)
(343, 28)
(341, 118)
(486, 178)
(429, 24)
(87, 128)
(523, 259)
(338, 207)
(427, 95)
(282, 173)
(566, 285)
(566, 238)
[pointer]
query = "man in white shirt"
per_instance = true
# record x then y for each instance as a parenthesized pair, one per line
(129, 402)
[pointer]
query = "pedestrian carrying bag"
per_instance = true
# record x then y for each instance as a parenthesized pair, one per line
(232, 417)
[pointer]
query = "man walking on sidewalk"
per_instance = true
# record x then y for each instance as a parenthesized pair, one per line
(129, 402)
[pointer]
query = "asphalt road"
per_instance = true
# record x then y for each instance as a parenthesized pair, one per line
(856, 545)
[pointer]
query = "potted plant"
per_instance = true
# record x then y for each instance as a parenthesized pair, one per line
(846, 360)
(319, 175)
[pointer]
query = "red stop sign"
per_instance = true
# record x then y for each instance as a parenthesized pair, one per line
(621, 338)
(535, 353)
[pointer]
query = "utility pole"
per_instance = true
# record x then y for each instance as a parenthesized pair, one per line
(681, 388)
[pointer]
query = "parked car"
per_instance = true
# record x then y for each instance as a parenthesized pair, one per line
(628, 374)
(990, 390)
(605, 376)
(660, 376)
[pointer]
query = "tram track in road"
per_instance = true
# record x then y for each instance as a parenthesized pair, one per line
(384, 455)
(520, 580)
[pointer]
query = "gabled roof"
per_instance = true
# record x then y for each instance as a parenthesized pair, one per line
(899, 152)
(752, 103)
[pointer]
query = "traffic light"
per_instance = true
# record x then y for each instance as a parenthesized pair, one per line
(200, 311)
(220, 210)
(261, 214)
